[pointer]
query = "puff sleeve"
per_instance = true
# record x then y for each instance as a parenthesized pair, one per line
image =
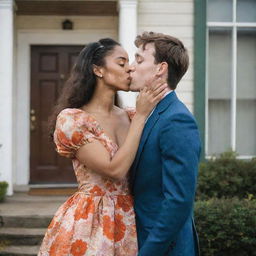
(71, 132)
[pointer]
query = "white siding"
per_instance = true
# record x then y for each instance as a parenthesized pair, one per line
(174, 18)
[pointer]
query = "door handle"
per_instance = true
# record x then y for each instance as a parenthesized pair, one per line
(32, 120)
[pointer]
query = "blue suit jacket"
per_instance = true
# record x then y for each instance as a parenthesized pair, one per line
(163, 181)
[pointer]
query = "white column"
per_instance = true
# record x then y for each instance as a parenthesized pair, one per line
(6, 93)
(127, 34)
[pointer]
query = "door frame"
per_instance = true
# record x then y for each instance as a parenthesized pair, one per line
(26, 38)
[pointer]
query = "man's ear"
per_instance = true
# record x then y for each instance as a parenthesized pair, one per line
(162, 69)
(97, 71)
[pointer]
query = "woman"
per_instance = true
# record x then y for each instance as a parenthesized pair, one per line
(98, 137)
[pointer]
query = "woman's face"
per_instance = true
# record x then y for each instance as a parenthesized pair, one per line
(116, 72)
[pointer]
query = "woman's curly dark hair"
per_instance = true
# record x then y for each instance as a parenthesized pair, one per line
(79, 88)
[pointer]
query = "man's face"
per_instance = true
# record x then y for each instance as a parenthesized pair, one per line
(144, 68)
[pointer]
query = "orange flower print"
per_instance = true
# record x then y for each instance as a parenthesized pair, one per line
(114, 230)
(97, 191)
(78, 248)
(61, 243)
(53, 229)
(62, 137)
(119, 228)
(77, 137)
(97, 129)
(84, 209)
(108, 227)
(110, 186)
(124, 202)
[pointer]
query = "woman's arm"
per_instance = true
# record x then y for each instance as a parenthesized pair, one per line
(95, 156)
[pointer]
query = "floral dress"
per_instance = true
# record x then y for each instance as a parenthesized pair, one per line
(98, 220)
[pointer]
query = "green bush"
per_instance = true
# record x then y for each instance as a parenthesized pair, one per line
(226, 227)
(3, 189)
(227, 177)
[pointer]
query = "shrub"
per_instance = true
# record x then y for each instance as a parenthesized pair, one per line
(3, 189)
(227, 176)
(226, 227)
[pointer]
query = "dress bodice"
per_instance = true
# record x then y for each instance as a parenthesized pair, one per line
(75, 128)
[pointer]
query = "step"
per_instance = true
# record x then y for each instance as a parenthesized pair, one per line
(21, 236)
(21, 204)
(22, 250)
(25, 221)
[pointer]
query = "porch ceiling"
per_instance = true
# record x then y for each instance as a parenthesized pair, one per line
(28, 7)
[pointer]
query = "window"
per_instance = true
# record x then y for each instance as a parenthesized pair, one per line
(231, 77)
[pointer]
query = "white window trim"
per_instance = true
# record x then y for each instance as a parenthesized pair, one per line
(238, 157)
(234, 81)
(234, 25)
(231, 24)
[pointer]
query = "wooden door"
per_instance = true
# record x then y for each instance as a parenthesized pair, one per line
(50, 67)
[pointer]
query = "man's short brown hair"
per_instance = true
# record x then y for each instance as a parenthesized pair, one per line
(167, 49)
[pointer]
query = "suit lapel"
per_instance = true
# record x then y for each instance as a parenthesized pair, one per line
(161, 107)
(147, 129)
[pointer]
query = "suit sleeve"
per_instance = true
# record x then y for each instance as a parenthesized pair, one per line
(180, 150)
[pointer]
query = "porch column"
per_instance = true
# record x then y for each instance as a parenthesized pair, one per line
(6, 93)
(127, 34)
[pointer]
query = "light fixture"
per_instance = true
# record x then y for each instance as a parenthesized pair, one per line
(67, 25)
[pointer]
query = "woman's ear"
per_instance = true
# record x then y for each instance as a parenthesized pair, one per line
(97, 71)
(162, 69)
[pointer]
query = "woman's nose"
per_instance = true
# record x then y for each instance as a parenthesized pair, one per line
(131, 68)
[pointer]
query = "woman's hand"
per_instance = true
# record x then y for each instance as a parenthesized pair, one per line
(150, 96)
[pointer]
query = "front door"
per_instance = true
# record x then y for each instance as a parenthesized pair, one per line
(50, 67)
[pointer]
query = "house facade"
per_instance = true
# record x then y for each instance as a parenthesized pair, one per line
(39, 41)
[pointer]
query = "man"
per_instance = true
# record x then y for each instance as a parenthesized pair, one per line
(164, 173)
